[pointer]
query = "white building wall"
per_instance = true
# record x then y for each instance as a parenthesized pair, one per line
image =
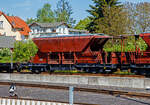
(62, 30)
(66, 31)
(7, 29)
(38, 29)
(48, 30)
(35, 29)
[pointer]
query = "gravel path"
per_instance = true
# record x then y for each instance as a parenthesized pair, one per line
(81, 97)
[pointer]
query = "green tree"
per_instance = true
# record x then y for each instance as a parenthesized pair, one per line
(82, 24)
(30, 20)
(64, 12)
(23, 51)
(130, 9)
(114, 21)
(45, 14)
(97, 12)
(139, 15)
(143, 16)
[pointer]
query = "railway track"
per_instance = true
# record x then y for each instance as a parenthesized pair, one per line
(97, 91)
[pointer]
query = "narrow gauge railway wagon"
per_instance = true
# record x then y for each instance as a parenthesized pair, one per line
(137, 61)
(85, 52)
(140, 60)
(82, 52)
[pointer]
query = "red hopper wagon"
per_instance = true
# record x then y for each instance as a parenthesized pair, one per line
(72, 52)
(85, 52)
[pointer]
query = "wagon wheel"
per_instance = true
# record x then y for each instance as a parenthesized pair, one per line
(36, 71)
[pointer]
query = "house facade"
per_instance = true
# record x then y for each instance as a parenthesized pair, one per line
(58, 28)
(13, 26)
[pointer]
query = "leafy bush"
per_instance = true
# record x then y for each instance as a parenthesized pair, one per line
(67, 71)
(129, 45)
(5, 52)
(5, 55)
(6, 59)
(24, 50)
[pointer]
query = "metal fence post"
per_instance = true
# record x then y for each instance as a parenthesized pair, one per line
(71, 89)
(11, 59)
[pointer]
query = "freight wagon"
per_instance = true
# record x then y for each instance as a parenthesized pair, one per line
(85, 52)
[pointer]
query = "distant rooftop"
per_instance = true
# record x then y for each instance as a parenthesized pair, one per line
(48, 25)
(7, 41)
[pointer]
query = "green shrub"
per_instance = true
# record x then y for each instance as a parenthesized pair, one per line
(129, 45)
(24, 50)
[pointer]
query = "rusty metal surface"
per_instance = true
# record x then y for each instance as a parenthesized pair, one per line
(69, 49)
(66, 44)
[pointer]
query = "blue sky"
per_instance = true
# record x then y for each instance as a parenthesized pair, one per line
(28, 8)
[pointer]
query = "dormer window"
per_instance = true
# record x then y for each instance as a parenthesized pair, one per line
(13, 23)
(14, 29)
(1, 24)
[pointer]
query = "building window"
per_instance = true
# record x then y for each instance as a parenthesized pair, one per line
(1, 24)
(33, 31)
(13, 23)
(38, 31)
(44, 30)
(14, 29)
(59, 30)
(63, 30)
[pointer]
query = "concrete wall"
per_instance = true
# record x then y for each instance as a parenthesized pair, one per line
(4, 101)
(86, 80)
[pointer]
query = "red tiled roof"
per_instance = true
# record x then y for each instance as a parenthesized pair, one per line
(18, 23)
(1, 13)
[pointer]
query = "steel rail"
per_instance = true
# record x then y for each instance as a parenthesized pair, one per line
(97, 91)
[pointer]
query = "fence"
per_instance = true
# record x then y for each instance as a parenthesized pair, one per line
(6, 101)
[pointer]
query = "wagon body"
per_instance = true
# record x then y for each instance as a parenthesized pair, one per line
(70, 49)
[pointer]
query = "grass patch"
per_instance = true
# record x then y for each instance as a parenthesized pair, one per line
(124, 73)
(67, 71)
